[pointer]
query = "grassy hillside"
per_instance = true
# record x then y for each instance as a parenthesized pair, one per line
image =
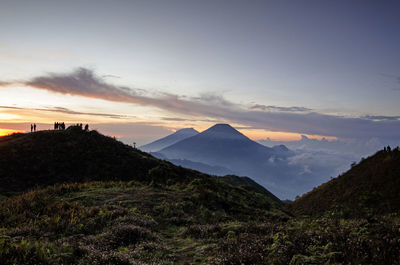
(369, 188)
(103, 222)
(48, 157)
(201, 222)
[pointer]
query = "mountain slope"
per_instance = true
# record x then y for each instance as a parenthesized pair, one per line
(205, 168)
(219, 145)
(169, 140)
(371, 187)
(48, 157)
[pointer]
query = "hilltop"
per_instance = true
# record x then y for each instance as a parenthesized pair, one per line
(48, 157)
(368, 188)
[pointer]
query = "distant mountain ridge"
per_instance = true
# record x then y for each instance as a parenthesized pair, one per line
(169, 140)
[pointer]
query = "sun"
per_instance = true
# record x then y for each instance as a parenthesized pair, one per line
(4, 132)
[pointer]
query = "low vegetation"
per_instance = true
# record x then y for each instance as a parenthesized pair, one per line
(132, 223)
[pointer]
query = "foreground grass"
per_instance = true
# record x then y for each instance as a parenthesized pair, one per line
(194, 223)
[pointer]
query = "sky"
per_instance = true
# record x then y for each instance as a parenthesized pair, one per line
(139, 70)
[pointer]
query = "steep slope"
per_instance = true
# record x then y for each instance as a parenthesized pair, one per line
(369, 188)
(169, 140)
(223, 146)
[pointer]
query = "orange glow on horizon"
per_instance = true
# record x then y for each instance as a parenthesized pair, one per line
(4, 132)
(280, 136)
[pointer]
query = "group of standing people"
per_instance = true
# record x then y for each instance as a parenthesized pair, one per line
(80, 125)
(59, 126)
(33, 127)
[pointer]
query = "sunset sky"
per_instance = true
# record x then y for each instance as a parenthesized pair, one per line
(140, 70)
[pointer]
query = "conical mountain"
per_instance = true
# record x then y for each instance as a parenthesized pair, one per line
(368, 188)
(169, 140)
(224, 146)
(220, 145)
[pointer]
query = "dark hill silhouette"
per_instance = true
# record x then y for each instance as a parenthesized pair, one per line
(223, 146)
(368, 188)
(169, 140)
(49, 157)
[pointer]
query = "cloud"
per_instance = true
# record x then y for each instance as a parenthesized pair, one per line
(3, 83)
(382, 118)
(68, 111)
(84, 82)
(395, 78)
(139, 132)
(280, 109)
(174, 119)
(112, 76)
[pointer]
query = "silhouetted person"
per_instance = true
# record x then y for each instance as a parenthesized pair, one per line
(34, 127)
(86, 127)
(31, 127)
(388, 148)
(81, 126)
(63, 126)
(384, 149)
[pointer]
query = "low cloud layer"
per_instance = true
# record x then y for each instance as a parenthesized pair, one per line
(128, 132)
(382, 118)
(84, 82)
(69, 111)
(282, 109)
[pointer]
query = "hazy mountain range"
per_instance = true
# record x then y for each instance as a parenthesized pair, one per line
(223, 150)
(169, 140)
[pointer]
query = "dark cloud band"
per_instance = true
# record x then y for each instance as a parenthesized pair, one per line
(84, 82)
